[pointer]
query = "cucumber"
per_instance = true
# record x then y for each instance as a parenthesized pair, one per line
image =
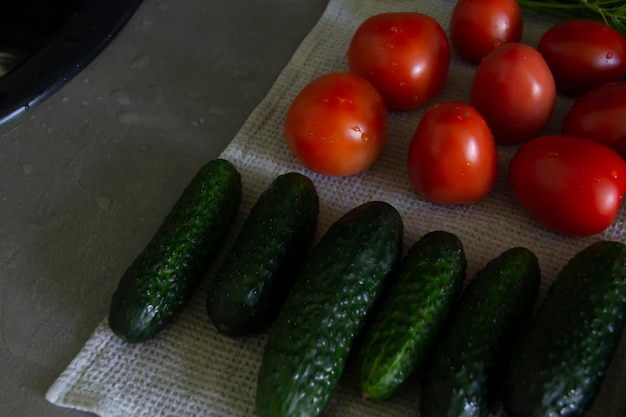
(411, 315)
(563, 356)
(163, 277)
(309, 343)
(260, 268)
(465, 370)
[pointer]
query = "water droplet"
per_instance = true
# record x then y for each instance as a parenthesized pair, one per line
(389, 45)
(140, 61)
(104, 202)
(326, 100)
(394, 29)
(596, 180)
(46, 128)
(365, 137)
(402, 84)
(610, 55)
(126, 117)
(394, 64)
(121, 97)
(27, 168)
(497, 43)
(65, 99)
(614, 175)
(356, 128)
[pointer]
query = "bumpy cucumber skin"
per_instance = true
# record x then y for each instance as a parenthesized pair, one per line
(466, 366)
(163, 277)
(309, 344)
(411, 315)
(260, 269)
(563, 357)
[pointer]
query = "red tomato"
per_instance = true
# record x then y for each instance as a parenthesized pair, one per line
(404, 55)
(570, 184)
(452, 158)
(583, 54)
(477, 27)
(600, 115)
(514, 91)
(337, 124)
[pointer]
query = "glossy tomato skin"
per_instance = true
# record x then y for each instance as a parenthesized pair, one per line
(600, 115)
(405, 55)
(337, 124)
(570, 184)
(583, 54)
(477, 27)
(514, 90)
(452, 157)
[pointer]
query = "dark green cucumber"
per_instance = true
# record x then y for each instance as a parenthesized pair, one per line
(563, 356)
(261, 267)
(162, 278)
(412, 314)
(465, 369)
(309, 344)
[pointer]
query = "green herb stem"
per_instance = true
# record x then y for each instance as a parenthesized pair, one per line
(611, 12)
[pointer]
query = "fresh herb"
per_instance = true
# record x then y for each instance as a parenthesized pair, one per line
(611, 12)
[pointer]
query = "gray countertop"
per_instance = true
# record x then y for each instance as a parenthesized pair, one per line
(88, 175)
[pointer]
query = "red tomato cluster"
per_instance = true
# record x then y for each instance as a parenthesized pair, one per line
(572, 182)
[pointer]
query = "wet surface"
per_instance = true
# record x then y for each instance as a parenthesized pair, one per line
(44, 45)
(89, 173)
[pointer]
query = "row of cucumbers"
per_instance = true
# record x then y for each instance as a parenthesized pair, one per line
(353, 295)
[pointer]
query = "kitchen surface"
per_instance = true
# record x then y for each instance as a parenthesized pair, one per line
(88, 174)
(97, 146)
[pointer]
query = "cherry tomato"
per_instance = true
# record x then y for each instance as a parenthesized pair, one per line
(337, 124)
(477, 27)
(404, 55)
(452, 157)
(583, 54)
(570, 184)
(600, 115)
(515, 92)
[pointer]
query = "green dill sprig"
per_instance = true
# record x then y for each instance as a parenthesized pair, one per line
(611, 12)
